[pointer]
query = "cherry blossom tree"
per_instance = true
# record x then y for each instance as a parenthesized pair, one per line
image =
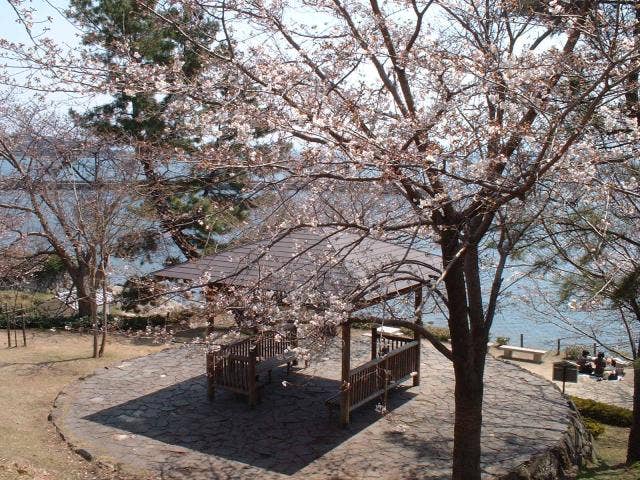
(72, 191)
(461, 109)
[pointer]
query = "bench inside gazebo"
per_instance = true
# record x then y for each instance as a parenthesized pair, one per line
(331, 261)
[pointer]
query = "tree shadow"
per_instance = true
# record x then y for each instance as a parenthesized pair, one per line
(286, 431)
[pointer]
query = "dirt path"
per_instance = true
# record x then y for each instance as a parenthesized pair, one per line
(30, 379)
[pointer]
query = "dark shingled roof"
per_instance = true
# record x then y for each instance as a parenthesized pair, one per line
(331, 261)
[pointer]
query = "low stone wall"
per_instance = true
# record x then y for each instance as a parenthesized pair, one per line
(563, 461)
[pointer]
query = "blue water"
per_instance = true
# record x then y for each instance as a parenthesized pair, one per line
(528, 309)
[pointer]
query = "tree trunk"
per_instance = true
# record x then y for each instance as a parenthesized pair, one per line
(633, 449)
(84, 305)
(158, 196)
(468, 363)
(468, 423)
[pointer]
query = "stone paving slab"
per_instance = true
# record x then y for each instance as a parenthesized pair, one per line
(613, 392)
(152, 414)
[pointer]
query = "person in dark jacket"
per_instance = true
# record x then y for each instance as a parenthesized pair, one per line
(600, 363)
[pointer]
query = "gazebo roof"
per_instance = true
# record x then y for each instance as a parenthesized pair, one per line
(329, 260)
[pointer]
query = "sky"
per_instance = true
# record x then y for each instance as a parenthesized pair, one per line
(58, 28)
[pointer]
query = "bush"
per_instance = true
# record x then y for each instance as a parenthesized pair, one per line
(116, 322)
(141, 323)
(441, 333)
(138, 291)
(45, 321)
(573, 352)
(502, 341)
(594, 428)
(603, 413)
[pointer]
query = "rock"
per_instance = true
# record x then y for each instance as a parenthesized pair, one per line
(561, 462)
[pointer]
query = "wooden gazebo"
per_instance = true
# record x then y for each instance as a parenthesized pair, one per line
(331, 261)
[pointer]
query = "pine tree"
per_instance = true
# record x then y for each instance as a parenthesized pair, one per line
(188, 204)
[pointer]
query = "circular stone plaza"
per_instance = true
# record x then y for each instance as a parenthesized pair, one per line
(151, 416)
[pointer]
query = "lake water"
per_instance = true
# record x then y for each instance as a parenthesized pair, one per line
(522, 310)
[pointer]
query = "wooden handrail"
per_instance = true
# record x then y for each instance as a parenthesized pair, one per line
(377, 360)
(397, 338)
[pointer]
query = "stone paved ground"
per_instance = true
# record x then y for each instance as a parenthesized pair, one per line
(152, 414)
(614, 392)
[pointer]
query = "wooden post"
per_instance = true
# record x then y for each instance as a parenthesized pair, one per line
(346, 367)
(294, 342)
(251, 380)
(6, 318)
(386, 382)
(24, 332)
(374, 342)
(521, 340)
(417, 302)
(211, 386)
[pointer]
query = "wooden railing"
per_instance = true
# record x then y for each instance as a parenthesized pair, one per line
(373, 378)
(389, 342)
(234, 366)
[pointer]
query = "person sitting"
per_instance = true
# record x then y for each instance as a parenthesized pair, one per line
(600, 363)
(584, 364)
(617, 367)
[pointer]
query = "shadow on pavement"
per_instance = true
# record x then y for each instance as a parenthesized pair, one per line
(286, 431)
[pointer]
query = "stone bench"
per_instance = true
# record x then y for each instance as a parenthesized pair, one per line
(509, 349)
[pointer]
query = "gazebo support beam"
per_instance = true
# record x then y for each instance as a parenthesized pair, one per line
(417, 303)
(346, 367)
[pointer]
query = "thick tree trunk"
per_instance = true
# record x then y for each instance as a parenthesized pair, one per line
(468, 424)
(87, 307)
(468, 345)
(84, 305)
(633, 449)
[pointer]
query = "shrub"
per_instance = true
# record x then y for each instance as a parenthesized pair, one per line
(573, 352)
(139, 291)
(441, 333)
(140, 322)
(45, 321)
(361, 325)
(594, 428)
(502, 341)
(603, 413)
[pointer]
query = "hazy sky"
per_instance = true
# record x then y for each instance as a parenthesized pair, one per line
(60, 28)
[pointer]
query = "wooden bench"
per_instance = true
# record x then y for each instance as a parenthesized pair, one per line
(237, 366)
(509, 349)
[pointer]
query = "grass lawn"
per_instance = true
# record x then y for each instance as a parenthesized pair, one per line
(611, 448)
(45, 303)
(28, 299)
(30, 379)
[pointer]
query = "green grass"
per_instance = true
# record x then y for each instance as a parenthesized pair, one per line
(611, 448)
(606, 472)
(28, 299)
